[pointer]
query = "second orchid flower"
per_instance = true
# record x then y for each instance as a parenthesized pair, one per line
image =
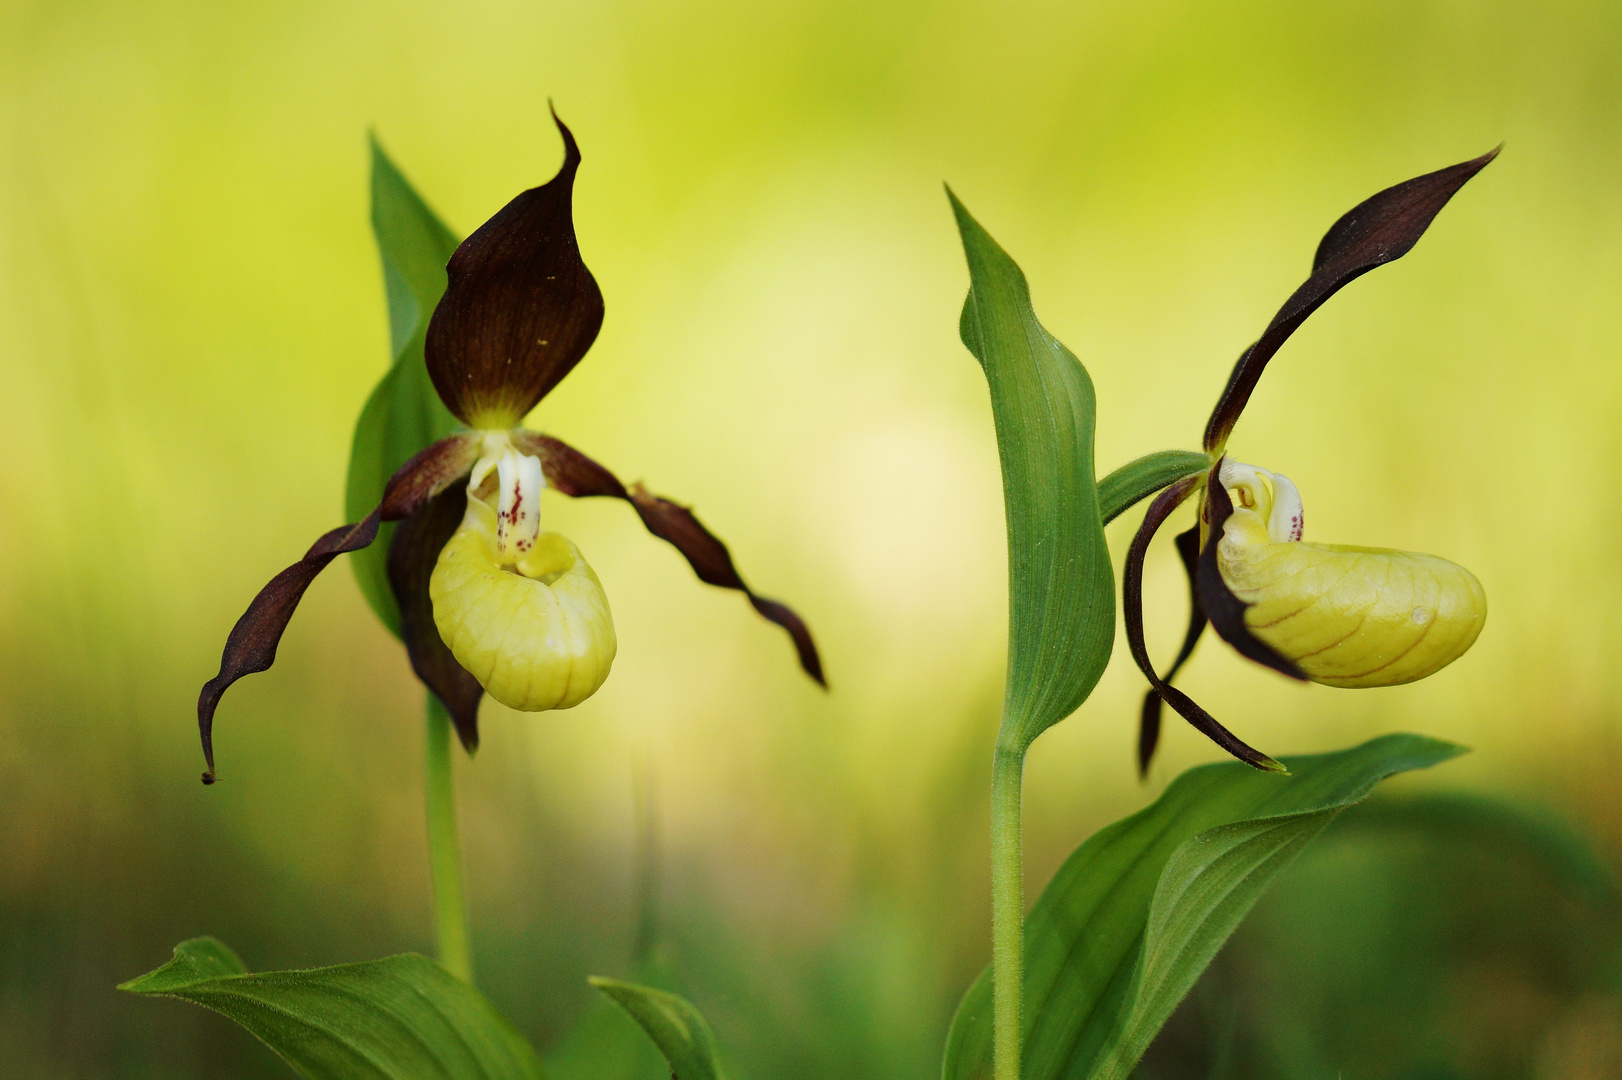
(1333, 614)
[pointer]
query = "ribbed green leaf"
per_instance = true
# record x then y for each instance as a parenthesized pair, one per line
(400, 1018)
(1140, 479)
(1371, 940)
(675, 1026)
(403, 414)
(1061, 589)
(1138, 911)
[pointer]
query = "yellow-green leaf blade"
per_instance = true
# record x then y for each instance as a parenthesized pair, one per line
(403, 414)
(678, 1029)
(1137, 480)
(400, 1018)
(1061, 588)
(1135, 914)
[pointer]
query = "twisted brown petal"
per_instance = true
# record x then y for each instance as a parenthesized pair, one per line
(1132, 606)
(575, 474)
(412, 555)
(251, 645)
(1225, 610)
(1378, 230)
(1188, 548)
(520, 309)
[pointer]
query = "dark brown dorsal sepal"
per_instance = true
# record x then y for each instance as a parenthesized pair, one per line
(520, 308)
(1378, 230)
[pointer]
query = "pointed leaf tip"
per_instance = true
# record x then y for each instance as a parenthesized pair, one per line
(1136, 913)
(678, 1029)
(400, 1018)
(1061, 587)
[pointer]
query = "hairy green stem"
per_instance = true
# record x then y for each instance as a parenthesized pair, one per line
(1007, 912)
(445, 848)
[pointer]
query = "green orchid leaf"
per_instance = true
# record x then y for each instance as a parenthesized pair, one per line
(1061, 588)
(400, 1018)
(403, 414)
(1137, 912)
(675, 1026)
(1137, 480)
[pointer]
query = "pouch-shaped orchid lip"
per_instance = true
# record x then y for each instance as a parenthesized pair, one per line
(1336, 614)
(535, 629)
(1341, 615)
(520, 308)
(1357, 617)
(1226, 611)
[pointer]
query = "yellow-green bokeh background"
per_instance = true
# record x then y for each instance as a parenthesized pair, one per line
(191, 314)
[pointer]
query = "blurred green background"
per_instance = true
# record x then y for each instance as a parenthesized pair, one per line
(191, 314)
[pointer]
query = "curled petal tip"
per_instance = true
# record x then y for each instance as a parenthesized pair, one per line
(1338, 615)
(571, 149)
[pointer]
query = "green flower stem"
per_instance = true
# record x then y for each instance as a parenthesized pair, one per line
(1007, 912)
(445, 848)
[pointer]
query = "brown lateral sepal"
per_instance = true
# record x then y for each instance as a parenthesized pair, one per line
(1188, 549)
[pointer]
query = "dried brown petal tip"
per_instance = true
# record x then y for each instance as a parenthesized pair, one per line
(520, 309)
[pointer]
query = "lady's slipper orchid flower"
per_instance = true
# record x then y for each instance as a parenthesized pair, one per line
(489, 601)
(1332, 614)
